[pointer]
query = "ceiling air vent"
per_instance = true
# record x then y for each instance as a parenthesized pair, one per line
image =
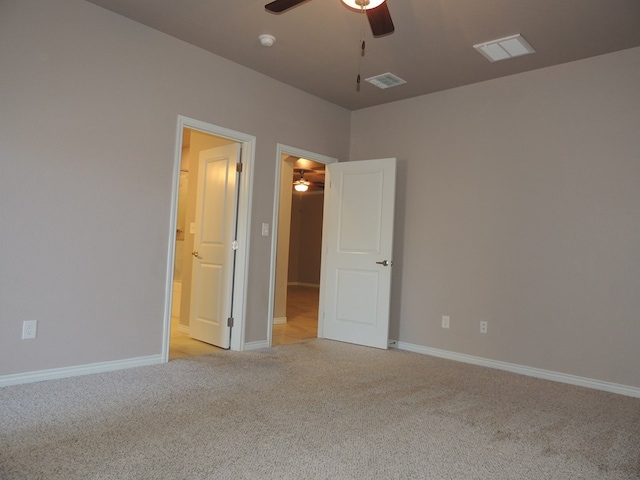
(385, 80)
(503, 48)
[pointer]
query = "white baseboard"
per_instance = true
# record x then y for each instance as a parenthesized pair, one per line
(520, 369)
(183, 329)
(248, 346)
(279, 320)
(54, 373)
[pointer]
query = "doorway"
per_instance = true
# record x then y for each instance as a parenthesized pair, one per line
(196, 141)
(297, 246)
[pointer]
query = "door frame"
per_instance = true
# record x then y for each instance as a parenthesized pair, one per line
(296, 152)
(241, 276)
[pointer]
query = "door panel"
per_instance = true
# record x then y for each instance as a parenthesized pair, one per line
(213, 254)
(353, 296)
(360, 222)
(358, 237)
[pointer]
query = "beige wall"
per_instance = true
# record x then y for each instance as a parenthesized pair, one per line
(90, 104)
(282, 251)
(306, 238)
(294, 237)
(519, 204)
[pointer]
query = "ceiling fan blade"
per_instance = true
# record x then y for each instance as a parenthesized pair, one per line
(279, 6)
(380, 20)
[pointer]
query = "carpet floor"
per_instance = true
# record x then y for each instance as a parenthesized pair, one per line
(315, 410)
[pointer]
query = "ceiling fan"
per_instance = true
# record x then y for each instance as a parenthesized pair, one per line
(302, 184)
(376, 10)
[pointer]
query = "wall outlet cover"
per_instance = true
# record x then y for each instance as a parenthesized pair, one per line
(29, 329)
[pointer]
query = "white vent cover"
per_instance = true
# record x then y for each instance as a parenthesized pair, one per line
(385, 80)
(503, 48)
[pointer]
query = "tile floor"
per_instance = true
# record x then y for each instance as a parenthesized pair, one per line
(181, 345)
(302, 316)
(302, 324)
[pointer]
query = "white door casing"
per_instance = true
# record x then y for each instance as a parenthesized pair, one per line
(212, 257)
(355, 286)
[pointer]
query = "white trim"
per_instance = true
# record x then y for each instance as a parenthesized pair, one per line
(66, 372)
(244, 219)
(244, 233)
(183, 329)
(295, 152)
(279, 320)
(260, 345)
(521, 369)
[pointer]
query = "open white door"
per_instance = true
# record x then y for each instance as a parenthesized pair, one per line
(212, 273)
(355, 286)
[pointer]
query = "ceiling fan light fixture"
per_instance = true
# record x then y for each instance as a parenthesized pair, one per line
(300, 186)
(363, 4)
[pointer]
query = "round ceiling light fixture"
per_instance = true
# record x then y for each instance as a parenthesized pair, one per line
(266, 40)
(363, 4)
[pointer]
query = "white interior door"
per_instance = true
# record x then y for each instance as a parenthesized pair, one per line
(212, 273)
(358, 240)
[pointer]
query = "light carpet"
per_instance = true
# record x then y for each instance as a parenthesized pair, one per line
(316, 410)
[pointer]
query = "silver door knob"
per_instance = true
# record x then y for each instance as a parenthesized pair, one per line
(385, 263)
(195, 253)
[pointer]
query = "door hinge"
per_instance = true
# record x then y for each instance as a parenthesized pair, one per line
(230, 322)
(238, 167)
(235, 245)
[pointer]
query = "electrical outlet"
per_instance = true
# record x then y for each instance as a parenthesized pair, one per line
(483, 327)
(445, 321)
(29, 328)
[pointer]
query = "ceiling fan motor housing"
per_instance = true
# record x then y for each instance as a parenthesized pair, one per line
(377, 12)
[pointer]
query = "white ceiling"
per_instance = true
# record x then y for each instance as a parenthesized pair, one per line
(317, 43)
